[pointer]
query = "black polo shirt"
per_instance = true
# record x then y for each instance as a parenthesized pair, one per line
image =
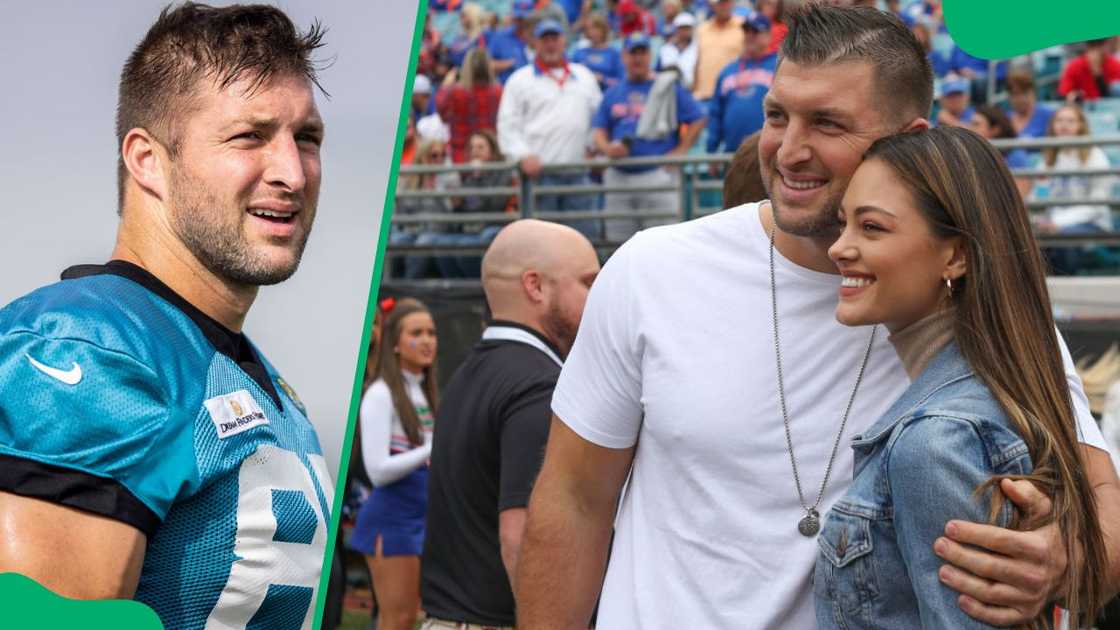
(487, 448)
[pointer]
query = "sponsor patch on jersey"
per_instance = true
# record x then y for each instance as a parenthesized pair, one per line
(234, 413)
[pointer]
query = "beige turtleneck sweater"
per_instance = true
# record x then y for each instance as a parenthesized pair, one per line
(921, 341)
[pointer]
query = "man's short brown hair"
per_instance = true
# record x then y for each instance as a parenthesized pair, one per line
(196, 42)
(821, 34)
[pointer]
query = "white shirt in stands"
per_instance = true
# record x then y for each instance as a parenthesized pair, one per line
(685, 60)
(386, 452)
(541, 115)
(676, 352)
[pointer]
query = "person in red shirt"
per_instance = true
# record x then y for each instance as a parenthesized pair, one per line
(634, 19)
(775, 10)
(1092, 74)
(471, 103)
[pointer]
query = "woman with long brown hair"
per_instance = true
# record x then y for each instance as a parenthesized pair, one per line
(937, 247)
(395, 426)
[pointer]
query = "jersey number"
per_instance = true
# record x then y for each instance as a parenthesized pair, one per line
(281, 538)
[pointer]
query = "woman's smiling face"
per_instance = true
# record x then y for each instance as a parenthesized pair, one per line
(892, 265)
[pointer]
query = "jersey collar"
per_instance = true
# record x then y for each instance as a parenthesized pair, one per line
(236, 346)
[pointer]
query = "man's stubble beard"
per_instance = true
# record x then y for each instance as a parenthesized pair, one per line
(824, 224)
(217, 241)
(560, 327)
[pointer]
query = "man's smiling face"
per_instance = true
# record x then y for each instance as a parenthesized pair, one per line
(820, 120)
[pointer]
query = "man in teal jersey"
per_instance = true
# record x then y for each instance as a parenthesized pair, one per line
(147, 448)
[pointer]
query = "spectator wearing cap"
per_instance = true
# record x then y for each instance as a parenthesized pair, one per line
(719, 41)
(471, 103)
(422, 104)
(735, 111)
(1092, 74)
(615, 130)
(509, 47)
(602, 59)
(774, 10)
(680, 51)
(954, 107)
(632, 18)
(545, 118)
(1028, 118)
(928, 12)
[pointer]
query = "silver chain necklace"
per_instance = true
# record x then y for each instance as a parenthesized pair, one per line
(810, 524)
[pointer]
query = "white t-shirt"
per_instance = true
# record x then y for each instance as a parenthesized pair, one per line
(676, 351)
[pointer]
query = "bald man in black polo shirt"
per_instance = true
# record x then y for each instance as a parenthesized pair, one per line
(493, 423)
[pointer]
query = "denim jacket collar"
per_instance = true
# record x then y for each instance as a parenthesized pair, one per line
(946, 367)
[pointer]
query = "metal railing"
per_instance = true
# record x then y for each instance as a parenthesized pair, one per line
(690, 187)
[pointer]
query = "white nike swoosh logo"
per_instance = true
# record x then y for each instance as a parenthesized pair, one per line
(70, 377)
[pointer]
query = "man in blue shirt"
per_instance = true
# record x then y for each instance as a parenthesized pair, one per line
(954, 104)
(735, 111)
(976, 70)
(1029, 118)
(615, 129)
(599, 55)
(148, 450)
(509, 48)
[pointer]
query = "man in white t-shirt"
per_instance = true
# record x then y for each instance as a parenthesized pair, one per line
(674, 372)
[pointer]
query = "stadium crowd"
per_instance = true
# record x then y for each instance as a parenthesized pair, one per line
(538, 84)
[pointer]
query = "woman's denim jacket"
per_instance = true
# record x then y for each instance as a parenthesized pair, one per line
(915, 469)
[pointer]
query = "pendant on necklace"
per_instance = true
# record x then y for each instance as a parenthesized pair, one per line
(810, 525)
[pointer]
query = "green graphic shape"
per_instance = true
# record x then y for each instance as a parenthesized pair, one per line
(28, 604)
(998, 29)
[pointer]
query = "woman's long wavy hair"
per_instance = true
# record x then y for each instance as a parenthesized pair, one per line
(382, 363)
(1005, 329)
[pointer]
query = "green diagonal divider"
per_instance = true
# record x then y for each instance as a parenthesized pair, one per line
(28, 604)
(998, 29)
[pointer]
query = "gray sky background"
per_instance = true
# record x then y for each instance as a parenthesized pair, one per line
(61, 61)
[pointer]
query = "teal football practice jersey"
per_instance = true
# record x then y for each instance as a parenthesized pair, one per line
(119, 398)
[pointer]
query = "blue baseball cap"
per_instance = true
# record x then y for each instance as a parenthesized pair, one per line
(757, 22)
(954, 86)
(548, 27)
(635, 40)
(523, 8)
